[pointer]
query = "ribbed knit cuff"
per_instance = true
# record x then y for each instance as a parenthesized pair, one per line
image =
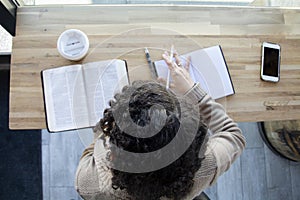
(195, 94)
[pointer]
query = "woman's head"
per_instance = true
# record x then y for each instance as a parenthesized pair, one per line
(146, 108)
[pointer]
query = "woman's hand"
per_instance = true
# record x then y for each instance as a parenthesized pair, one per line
(181, 80)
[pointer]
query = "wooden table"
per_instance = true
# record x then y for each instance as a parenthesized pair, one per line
(123, 31)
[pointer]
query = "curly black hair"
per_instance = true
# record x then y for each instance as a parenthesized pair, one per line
(144, 102)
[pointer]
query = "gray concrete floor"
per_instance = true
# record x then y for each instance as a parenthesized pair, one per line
(257, 174)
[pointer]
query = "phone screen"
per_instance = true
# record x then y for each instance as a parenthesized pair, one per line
(271, 62)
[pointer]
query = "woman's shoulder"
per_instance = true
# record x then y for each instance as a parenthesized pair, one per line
(93, 176)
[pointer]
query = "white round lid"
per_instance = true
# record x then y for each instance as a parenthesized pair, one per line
(73, 44)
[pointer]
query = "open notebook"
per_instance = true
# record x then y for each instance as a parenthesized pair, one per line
(76, 95)
(208, 67)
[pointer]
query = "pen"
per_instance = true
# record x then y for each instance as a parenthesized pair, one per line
(152, 69)
(171, 60)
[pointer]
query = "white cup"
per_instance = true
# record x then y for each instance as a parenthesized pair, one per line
(73, 44)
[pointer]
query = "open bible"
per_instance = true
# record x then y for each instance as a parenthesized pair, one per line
(75, 96)
(208, 67)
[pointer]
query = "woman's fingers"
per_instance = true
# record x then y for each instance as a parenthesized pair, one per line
(176, 68)
(166, 57)
(179, 63)
(188, 62)
(178, 60)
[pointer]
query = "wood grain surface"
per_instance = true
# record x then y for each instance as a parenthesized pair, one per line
(122, 31)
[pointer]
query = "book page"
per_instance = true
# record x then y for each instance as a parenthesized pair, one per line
(65, 101)
(103, 80)
(204, 67)
(218, 62)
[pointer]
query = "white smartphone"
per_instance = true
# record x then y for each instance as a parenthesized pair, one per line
(270, 62)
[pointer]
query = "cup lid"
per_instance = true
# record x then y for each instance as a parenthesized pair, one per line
(73, 44)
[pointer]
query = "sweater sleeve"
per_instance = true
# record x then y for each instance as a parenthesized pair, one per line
(86, 180)
(226, 143)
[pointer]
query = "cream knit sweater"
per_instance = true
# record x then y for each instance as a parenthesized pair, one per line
(225, 144)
